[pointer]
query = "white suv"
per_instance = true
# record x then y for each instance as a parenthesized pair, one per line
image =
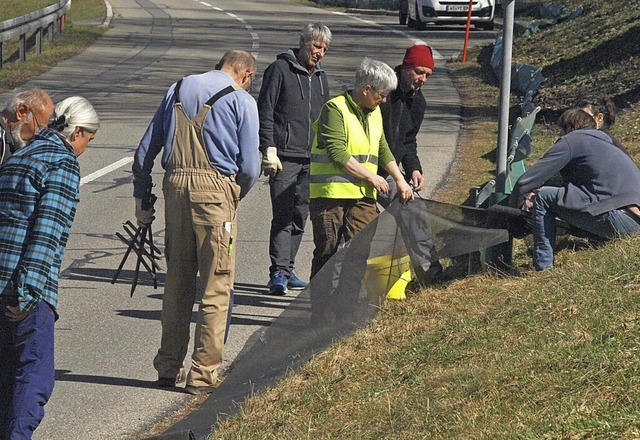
(420, 12)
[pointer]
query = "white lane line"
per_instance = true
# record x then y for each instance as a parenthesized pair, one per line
(114, 166)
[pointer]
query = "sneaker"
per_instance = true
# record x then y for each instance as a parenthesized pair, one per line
(278, 284)
(296, 283)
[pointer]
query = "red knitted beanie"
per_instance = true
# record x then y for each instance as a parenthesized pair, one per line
(418, 55)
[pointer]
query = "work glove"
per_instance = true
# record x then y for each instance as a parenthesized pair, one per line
(144, 216)
(270, 162)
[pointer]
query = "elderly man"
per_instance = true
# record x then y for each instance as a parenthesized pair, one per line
(600, 194)
(349, 147)
(26, 113)
(402, 116)
(207, 130)
(294, 88)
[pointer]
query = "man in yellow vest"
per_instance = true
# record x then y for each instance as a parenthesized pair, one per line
(345, 155)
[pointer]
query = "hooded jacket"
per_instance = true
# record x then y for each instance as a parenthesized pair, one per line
(289, 102)
(7, 146)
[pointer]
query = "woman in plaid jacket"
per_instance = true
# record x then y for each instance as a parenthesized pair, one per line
(39, 191)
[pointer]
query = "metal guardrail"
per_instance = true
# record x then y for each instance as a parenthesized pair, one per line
(36, 22)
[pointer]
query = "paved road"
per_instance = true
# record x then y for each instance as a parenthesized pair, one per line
(105, 340)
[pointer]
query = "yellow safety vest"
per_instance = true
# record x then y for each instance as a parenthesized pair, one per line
(330, 181)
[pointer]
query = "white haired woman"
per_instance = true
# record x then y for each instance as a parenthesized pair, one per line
(349, 147)
(39, 191)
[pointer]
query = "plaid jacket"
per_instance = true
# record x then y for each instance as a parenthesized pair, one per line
(39, 192)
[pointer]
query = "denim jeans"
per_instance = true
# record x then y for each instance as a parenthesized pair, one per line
(611, 224)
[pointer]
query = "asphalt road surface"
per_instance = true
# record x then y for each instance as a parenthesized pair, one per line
(105, 340)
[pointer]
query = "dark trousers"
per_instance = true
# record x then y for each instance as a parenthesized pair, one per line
(27, 371)
(415, 229)
(290, 209)
(335, 223)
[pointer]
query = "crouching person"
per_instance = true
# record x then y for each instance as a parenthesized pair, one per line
(600, 192)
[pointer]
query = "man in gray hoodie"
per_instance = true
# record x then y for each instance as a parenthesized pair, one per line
(294, 89)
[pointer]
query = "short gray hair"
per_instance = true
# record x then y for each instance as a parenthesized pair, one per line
(313, 32)
(74, 112)
(237, 60)
(377, 74)
(34, 98)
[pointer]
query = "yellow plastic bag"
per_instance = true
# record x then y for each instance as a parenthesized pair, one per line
(388, 274)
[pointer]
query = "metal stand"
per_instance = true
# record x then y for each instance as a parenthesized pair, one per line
(140, 238)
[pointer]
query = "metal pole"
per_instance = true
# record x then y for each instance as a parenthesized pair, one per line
(466, 34)
(505, 88)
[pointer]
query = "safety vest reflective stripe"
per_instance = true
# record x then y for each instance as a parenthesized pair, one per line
(332, 178)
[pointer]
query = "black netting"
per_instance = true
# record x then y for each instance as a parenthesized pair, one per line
(346, 293)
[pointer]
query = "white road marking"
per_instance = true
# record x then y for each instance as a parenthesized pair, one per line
(106, 170)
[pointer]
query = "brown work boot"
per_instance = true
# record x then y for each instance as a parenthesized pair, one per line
(204, 389)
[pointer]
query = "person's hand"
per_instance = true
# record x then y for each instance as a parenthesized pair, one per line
(417, 180)
(144, 216)
(528, 202)
(405, 192)
(270, 162)
(14, 314)
(380, 184)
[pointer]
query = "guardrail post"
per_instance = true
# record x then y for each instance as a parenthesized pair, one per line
(23, 26)
(39, 41)
(23, 47)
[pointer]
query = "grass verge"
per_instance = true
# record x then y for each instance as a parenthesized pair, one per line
(75, 38)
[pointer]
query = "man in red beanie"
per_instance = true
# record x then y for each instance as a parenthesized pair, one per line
(402, 115)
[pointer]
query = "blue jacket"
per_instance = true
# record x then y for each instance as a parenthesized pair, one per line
(230, 131)
(598, 177)
(39, 187)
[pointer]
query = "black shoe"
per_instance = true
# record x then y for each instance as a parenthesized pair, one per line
(170, 382)
(166, 382)
(424, 278)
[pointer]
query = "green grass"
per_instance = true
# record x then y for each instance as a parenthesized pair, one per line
(72, 41)
(551, 355)
(15, 8)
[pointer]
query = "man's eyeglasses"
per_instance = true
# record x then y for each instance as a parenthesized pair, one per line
(382, 94)
(38, 124)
